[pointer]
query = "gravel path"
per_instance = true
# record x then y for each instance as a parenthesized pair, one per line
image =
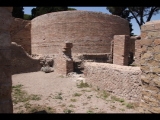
(62, 94)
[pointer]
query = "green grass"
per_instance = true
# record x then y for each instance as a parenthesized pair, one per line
(105, 95)
(58, 96)
(68, 111)
(130, 106)
(82, 85)
(86, 90)
(20, 95)
(72, 106)
(77, 94)
(117, 99)
(73, 100)
(90, 111)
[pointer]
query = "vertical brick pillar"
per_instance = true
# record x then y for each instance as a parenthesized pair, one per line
(5, 61)
(63, 63)
(137, 52)
(121, 49)
(150, 66)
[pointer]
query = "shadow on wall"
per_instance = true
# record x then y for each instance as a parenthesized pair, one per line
(21, 33)
(21, 62)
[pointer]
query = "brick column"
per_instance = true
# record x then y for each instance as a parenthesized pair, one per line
(150, 66)
(137, 52)
(63, 63)
(5, 61)
(121, 49)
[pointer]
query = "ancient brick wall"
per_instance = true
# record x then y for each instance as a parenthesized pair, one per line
(21, 61)
(121, 49)
(90, 32)
(150, 66)
(5, 60)
(21, 33)
(122, 81)
(63, 62)
(137, 52)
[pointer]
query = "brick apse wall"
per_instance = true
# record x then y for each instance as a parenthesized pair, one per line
(150, 66)
(5, 60)
(90, 32)
(21, 33)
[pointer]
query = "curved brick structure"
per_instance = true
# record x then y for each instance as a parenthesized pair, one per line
(90, 32)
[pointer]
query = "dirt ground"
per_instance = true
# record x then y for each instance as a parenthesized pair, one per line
(39, 92)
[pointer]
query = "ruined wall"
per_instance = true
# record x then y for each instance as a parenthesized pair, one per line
(121, 49)
(150, 66)
(21, 61)
(63, 60)
(5, 60)
(122, 81)
(137, 52)
(90, 32)
(21, 33)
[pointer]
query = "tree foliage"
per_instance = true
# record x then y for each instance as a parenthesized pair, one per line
(140, 14)
(43, 10)
(18, 12)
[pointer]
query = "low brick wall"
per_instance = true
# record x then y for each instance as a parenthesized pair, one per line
(21, 62)
(122, 81)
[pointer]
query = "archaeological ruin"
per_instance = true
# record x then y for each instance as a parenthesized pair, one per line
(95, 44)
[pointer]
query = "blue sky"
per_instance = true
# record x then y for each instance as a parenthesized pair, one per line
(136, 29)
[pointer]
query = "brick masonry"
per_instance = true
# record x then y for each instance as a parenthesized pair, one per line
(90, 32)
(150, 66)
(21, 33)
(63, 62)
(122, 81)
(21, 61)
(137, 52)
(121, 49)
(6, 105)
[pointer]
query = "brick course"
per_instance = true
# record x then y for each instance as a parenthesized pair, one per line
(90, 32)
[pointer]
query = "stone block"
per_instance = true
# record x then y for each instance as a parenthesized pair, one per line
(156, 42)
(145, 69)
(157, 49)
(155, 109)
(146, 27)
(5, 38)
(5, 74)
(5, 57)
(144, 35)
(147, 55)
(6, 106)
(155, 69)
(152, 63)
(154, 34)
(5, 91)
(146, 42)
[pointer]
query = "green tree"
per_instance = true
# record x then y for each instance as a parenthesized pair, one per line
(43, 10)
(140, 14)
(18, 12)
